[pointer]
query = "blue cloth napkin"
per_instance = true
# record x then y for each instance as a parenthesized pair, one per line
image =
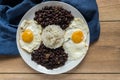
(11, 11)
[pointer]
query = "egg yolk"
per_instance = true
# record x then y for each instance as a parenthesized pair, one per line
(27, 36)
(77, 36)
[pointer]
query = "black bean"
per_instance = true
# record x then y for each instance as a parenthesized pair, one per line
(49, 58)
(53, 15)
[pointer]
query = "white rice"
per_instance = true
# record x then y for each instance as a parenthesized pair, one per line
(53, 36)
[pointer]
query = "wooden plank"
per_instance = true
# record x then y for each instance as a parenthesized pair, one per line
(104, 3)
(60, 77)
(103, 56)
(109, 10)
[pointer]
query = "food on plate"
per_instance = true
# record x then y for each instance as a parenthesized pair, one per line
(53, 15)
(79, 23)
(52, 36)
(49, 58)
(77, 36)
(75, 44)
(30, 35)
(25, 35)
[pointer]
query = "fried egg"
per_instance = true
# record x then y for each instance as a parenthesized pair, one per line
(75, 44)
(30, 35)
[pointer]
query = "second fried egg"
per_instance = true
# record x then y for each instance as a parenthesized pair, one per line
(75, 37)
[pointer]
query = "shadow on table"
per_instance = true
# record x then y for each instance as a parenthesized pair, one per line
(4, 57)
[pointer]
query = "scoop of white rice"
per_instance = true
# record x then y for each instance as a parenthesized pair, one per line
(53, 36)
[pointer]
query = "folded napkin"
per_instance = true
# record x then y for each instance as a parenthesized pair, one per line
(11, 11)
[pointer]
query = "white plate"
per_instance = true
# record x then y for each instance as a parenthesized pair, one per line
(27, 57)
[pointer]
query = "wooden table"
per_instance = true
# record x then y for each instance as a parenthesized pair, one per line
(101, 63)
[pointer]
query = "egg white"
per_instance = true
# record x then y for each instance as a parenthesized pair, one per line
(36, 29)
(75, 51)
(79, 24)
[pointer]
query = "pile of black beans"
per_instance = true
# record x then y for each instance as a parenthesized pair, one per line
(53, 15)
(49, 58)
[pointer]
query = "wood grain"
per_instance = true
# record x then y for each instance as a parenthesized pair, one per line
(60, 77)
(109, 10)
(103, 56)
(102, 61)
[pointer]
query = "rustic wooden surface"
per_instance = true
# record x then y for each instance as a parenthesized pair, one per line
(102, 61)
